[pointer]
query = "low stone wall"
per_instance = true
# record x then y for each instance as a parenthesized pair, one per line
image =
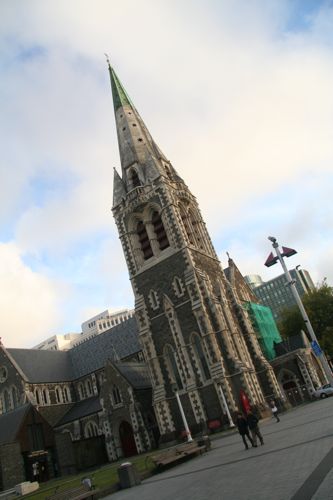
(12, 465)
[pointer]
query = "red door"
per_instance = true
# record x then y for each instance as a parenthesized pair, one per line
(127, 439)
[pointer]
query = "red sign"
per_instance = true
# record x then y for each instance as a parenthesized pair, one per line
(244, 401)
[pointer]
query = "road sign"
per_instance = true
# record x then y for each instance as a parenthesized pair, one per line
(316, 348)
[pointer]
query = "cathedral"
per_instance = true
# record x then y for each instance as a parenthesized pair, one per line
(201, 349)
(196, 353)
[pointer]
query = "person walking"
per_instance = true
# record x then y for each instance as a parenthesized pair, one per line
(252, 422)
(275, 411)
(243, 429)
(35, 471)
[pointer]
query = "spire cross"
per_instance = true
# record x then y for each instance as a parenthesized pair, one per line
(107, 59)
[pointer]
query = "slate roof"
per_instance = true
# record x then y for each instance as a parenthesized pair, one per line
(81, 409)
(10, 423)
(43, 366)
(40, 365)
(136, 374)
(115, 344)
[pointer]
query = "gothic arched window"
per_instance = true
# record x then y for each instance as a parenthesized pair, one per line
(88, 387)
(6, 400)
(38, 397)
(116, 395)
(58, 394)
(144, 240)
(15, 397)
(134, 178)
(80, 389)
(67, 394)
(90, 429)
(201, 358)
(159, 230)
(46, 397)
(172, 366)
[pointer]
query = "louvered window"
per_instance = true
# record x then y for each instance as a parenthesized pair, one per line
(185, 220)
(144, 241)
(159, 230)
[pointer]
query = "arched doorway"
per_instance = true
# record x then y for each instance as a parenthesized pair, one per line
(127, 439)
(292, 388)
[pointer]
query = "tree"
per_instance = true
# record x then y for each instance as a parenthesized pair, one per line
(319, 306)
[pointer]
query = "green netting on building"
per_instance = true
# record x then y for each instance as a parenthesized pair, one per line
(265, 326)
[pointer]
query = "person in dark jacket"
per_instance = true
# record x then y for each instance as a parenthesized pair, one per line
(253, 424)
(243, 429)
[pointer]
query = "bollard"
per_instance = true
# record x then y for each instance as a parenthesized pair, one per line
(205, 441)
(128, 475)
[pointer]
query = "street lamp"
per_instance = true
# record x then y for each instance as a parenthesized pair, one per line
(271, 260)
(226, 407)
(187, 429)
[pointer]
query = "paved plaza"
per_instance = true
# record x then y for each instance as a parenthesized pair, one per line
(295, 463)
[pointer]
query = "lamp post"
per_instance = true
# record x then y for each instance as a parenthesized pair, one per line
(231, 424)
(271, 260)
(187, 429)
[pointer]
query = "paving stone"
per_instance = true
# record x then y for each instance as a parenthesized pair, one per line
(295, 450)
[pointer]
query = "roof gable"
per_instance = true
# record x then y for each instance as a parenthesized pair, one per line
(238, 283)
(10, 423)
(81, 409)
(136, 374)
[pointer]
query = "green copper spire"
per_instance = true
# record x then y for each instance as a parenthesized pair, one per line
(136, 145)
(120, 97)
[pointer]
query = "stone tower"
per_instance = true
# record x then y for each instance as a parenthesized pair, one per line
(196, 337)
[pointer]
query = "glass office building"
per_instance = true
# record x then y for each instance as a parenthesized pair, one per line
(276, 293)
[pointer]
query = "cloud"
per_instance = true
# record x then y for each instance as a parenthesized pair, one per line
(297, 217)
(29, 302)
(237, 94)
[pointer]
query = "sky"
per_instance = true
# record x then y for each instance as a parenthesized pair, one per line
(238, 95)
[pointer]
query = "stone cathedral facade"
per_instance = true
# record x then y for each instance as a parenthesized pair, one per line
(196, 336)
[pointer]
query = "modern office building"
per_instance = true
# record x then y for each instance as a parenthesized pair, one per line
(61, 342)
(90, 328)
(105, 320)
(276, 293)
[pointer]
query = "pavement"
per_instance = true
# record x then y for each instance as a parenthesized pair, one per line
(295, 463)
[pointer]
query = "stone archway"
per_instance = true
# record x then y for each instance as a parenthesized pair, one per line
(127, 439)
(291, 386)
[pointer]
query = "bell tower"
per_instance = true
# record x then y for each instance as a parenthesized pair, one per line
(194, 338)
